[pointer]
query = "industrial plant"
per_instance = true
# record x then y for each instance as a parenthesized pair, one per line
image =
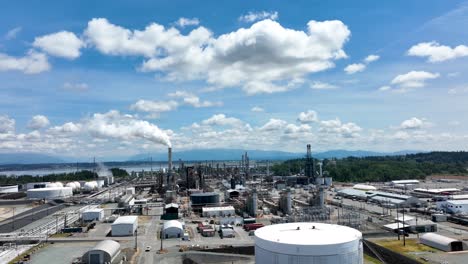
(229, 212)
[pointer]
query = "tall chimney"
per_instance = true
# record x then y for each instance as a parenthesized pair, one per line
(169, 166)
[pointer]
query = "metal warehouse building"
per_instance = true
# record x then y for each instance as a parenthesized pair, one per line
(125, 226)
(96, 214)
(441, 242)
(104, 252)
(9, 189)
(173, 228)
(218, 211)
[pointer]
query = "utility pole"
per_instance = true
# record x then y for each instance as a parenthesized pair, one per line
(56, 224)
(13, 226)
(404, 232)
(398, 222)
(136, 239)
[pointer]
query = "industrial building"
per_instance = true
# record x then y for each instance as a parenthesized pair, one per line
(364, 187)
(96, 214)
(441, 242)
(199, 200)
(412, 224)
(394, 199)
(171, 211)
(125, 226)
(9, 189)
(49, 193)
(218, 211)
(173, 229)
(352, 193)
(404, 183)
(227, 232)
(453, 206)
(104, 252)
(308, 243)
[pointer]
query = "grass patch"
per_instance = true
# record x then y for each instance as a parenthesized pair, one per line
(27, 252)
(412, 245)
(61, 235)
(370, 260)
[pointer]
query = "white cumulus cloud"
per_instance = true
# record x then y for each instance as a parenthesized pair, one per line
(335, 126)
(274, 124)
(38, 122)
(354, 68)
(33, 63)
(61, 44)
(414, 79)
(434, 52)
(264, 58)
(414, 123)
(183, 22)
(371, 58)
(256, 16)
(154, 106)
(257, 109)
(308, 117)
(222, 120)
(7, 124)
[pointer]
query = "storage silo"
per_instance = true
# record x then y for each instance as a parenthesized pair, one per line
(308, 243)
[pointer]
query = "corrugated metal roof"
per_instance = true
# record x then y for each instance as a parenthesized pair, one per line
(405, 182)
(364, 187)
(439, 239)
(171, 224)
(109, 246)
(458, 202)
(352, 192)
(128, 219)
(221, 208)
(94, 210)
(169, 205)
(395, 226)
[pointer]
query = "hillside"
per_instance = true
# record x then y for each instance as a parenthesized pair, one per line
(385, 168)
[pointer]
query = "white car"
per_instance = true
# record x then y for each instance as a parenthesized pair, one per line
(148, 248)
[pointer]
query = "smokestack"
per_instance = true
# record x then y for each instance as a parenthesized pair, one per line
(169, 166)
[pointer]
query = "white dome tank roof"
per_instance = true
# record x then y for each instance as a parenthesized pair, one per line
(307, 238)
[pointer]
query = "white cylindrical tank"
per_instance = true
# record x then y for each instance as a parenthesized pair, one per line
(77, 184)
(90, 186)
(59, 184)
(71, 185)
(308, 243)
(51, 185)
(100, 183)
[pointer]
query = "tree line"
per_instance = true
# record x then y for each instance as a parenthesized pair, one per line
(384, 168)
(83, 175)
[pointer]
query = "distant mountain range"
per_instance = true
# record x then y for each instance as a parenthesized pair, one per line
(202, 154)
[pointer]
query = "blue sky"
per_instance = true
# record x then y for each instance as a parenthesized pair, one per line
(130, 76)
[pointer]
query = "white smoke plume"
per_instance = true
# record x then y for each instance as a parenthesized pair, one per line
(115, 125)
(103, 171)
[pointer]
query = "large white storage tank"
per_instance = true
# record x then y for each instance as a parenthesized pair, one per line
(308, 243)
